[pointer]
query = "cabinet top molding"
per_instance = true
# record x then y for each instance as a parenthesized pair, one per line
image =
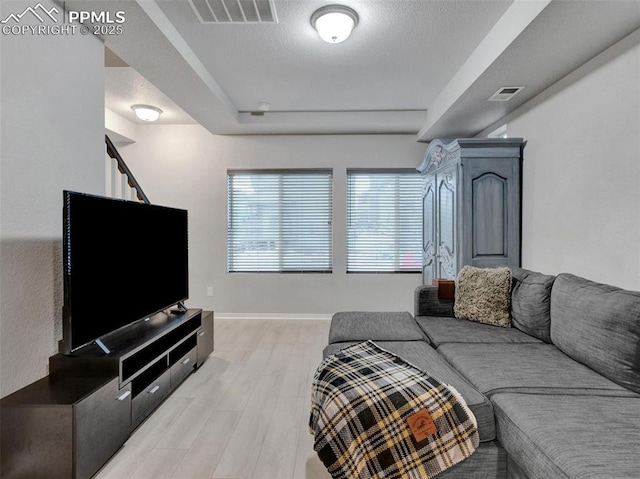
(445, 151)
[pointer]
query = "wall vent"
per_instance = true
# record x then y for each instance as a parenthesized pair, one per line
(235, 11)
(505, 93)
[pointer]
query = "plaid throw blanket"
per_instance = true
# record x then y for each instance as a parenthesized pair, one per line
(373, 415)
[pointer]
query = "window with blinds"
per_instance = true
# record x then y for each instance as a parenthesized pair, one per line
(384, 221)
(279, 221)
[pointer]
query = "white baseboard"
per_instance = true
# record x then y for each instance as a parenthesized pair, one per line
(273, 316)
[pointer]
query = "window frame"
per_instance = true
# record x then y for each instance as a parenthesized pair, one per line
(417, 269)
(231, 258)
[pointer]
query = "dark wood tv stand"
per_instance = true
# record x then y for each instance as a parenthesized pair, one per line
(71, 422)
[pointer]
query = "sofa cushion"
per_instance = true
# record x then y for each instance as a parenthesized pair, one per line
(424, 357)
(598, 325)
(376, 326)
(570, 436)
(451, 330)
(531, 302)
(482, 294)
(527, 368)
(488, 461)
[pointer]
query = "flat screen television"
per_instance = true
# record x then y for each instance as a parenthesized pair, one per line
(123, 262)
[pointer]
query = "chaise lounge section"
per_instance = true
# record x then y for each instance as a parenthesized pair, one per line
(556, 395)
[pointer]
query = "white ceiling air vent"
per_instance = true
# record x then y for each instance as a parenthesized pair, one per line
(505, 93)
(235, 11)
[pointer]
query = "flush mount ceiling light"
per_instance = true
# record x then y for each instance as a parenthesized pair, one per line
(146, 112)
(334, 23)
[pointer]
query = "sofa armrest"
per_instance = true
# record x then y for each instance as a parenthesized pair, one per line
(426, 303)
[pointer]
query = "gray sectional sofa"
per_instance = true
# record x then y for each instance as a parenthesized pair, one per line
(557, 395)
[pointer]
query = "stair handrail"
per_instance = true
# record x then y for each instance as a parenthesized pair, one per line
(124, 169)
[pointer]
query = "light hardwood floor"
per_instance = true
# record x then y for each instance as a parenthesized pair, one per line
(243, 415)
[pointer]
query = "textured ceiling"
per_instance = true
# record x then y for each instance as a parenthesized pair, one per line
(399, 56)
(410, 66)
(125, 87)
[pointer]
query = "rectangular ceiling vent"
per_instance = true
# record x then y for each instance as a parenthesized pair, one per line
(505, 93)
(235, 11)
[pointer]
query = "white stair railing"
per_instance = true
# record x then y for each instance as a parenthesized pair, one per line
(119, 181)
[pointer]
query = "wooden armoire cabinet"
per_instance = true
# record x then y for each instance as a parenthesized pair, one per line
(472, 205)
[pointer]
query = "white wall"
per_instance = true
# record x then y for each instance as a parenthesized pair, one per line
(185, 166)
(52, 138)
(582, 170)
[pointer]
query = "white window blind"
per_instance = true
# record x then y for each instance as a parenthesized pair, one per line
(384, 221)
(279, 221)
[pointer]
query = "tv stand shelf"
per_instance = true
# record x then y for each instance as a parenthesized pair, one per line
(132, 349)
(93, 400)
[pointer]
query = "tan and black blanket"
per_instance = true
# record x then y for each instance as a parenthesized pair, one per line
(373, 415)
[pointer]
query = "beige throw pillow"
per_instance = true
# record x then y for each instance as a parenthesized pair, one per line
(482, 295)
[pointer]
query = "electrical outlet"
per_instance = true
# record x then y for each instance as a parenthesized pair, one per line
(209, 290)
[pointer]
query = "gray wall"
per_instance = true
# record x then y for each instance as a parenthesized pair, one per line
(52, 127)
(582, 170)
(185, 166)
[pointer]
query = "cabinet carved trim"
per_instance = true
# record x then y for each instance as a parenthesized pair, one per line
(438, 154)
(428, 254)
(428, 220)
(447, 266)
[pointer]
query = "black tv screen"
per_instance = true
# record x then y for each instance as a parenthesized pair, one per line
(123, 261)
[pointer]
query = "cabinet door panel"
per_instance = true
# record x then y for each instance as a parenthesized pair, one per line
(489, 215)
(102, 424)
(491, 204)
(447, 222)
(149, 398)
(37, 442)
(183, 367)
(428, 229)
